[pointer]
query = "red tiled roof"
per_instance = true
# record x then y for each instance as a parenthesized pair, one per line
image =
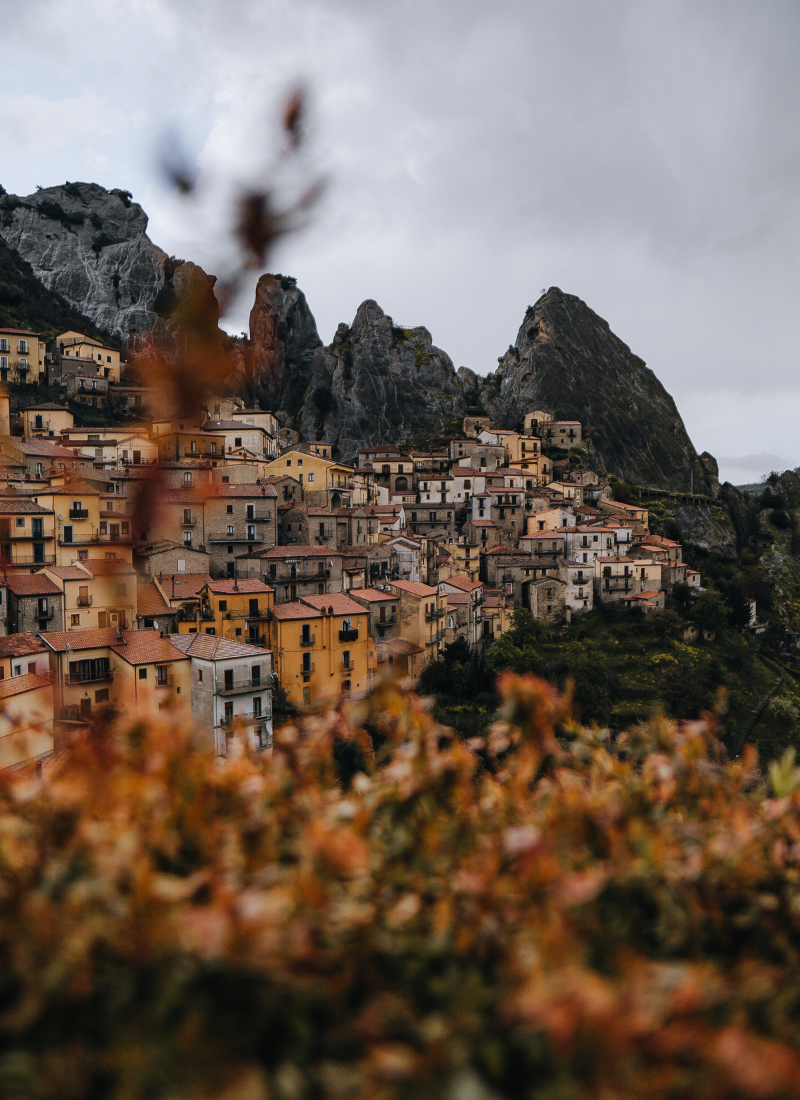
(17, 684)
(237, 586)
(59, 640)
(33, 584)
(341, 604)
(295, 610)
(465, 583)
(98, 567)
(150, 602)
(414, 587)
(372, 595)
(257, 492)
(68, 573)
(183, 586)
(21, 645)
(211, 648)
(23, 507)
(146, 647)
(402, 646)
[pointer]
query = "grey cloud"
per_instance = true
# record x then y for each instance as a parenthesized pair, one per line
(640, 154)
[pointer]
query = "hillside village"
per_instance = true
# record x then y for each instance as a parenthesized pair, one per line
(218, 563)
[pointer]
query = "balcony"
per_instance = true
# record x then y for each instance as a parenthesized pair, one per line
(46, 559)
(189, 521)
(348, 635)
(15, 534)
(218, 537)
(437, 613)
(347, 668)
(79, 513)
(267, 518)
(307, 670)
(435, 638)
(97, 678)
(45, 614)
(239, 687)
(256, 639)
(310, 640)
(109, 513)
(84, 601)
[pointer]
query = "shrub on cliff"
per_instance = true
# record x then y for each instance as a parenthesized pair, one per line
(601, 919)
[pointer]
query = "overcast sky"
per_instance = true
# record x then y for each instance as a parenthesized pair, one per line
(643, 155)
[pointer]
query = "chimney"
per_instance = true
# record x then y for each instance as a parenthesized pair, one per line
(235, 584)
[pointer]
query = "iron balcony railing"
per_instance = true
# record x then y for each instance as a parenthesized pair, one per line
(45, 559)
(310, 640)
(49, 614)
(73, 679)
(84, 601)
(434, 638)
(79, 513)
(437, 613)
(348, 635)
(238, 687)
(246, 716)
(191, 521)
(218, 537)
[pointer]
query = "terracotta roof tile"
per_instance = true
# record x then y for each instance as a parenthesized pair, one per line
(17, 684)
(145, 647)
(240, 585)
(295, 610)
(414, 588)
(33, 584)
(99, 567)
(150, 602)
(211, 648)
(341, 604)
(21, 645)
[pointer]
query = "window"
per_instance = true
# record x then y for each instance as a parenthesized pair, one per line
(75, 620)
(187, 478)
(299, 462)
(223, 605)
(213, 448)
(142, 673)
(257, 707)
(229, 529)
(273, 571)
(187, 538)
(251, 532)
(237, 442)
(22, 347)
(187, 515)
(288, 461)
(254, 607)
(311, 477)
(193, 447)
(228, 713)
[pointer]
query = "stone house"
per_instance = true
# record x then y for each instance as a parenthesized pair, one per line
(384, 619)
(239, 518)
(579, 579)
(167, 557)
(365, 566)
(509, 571)
(231, 690)
(548, 597)
(432, 519)
(562, 433)
(307, 525)
(421, 611)
(296, 572)
(407, 557)
(35, 604)
(472, 593)
(480, 532)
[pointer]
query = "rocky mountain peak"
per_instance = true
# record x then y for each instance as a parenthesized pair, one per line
(89, 245)
(567, 361)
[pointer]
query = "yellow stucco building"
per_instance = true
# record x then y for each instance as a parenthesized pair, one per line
(321, 648)
(133, 671)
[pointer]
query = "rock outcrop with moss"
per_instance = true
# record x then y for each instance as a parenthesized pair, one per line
(91, 247)
(567, 361)
(283, 340)
(377, 383)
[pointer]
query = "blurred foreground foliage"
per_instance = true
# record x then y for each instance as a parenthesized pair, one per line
(541, 913)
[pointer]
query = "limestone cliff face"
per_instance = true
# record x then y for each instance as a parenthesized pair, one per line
(283, 340)
(567, 361)
(377, 383)
(90, 245)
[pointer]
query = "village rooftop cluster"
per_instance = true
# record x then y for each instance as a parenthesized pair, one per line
(216, 563)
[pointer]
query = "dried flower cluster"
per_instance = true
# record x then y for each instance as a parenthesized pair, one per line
(541, 914)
